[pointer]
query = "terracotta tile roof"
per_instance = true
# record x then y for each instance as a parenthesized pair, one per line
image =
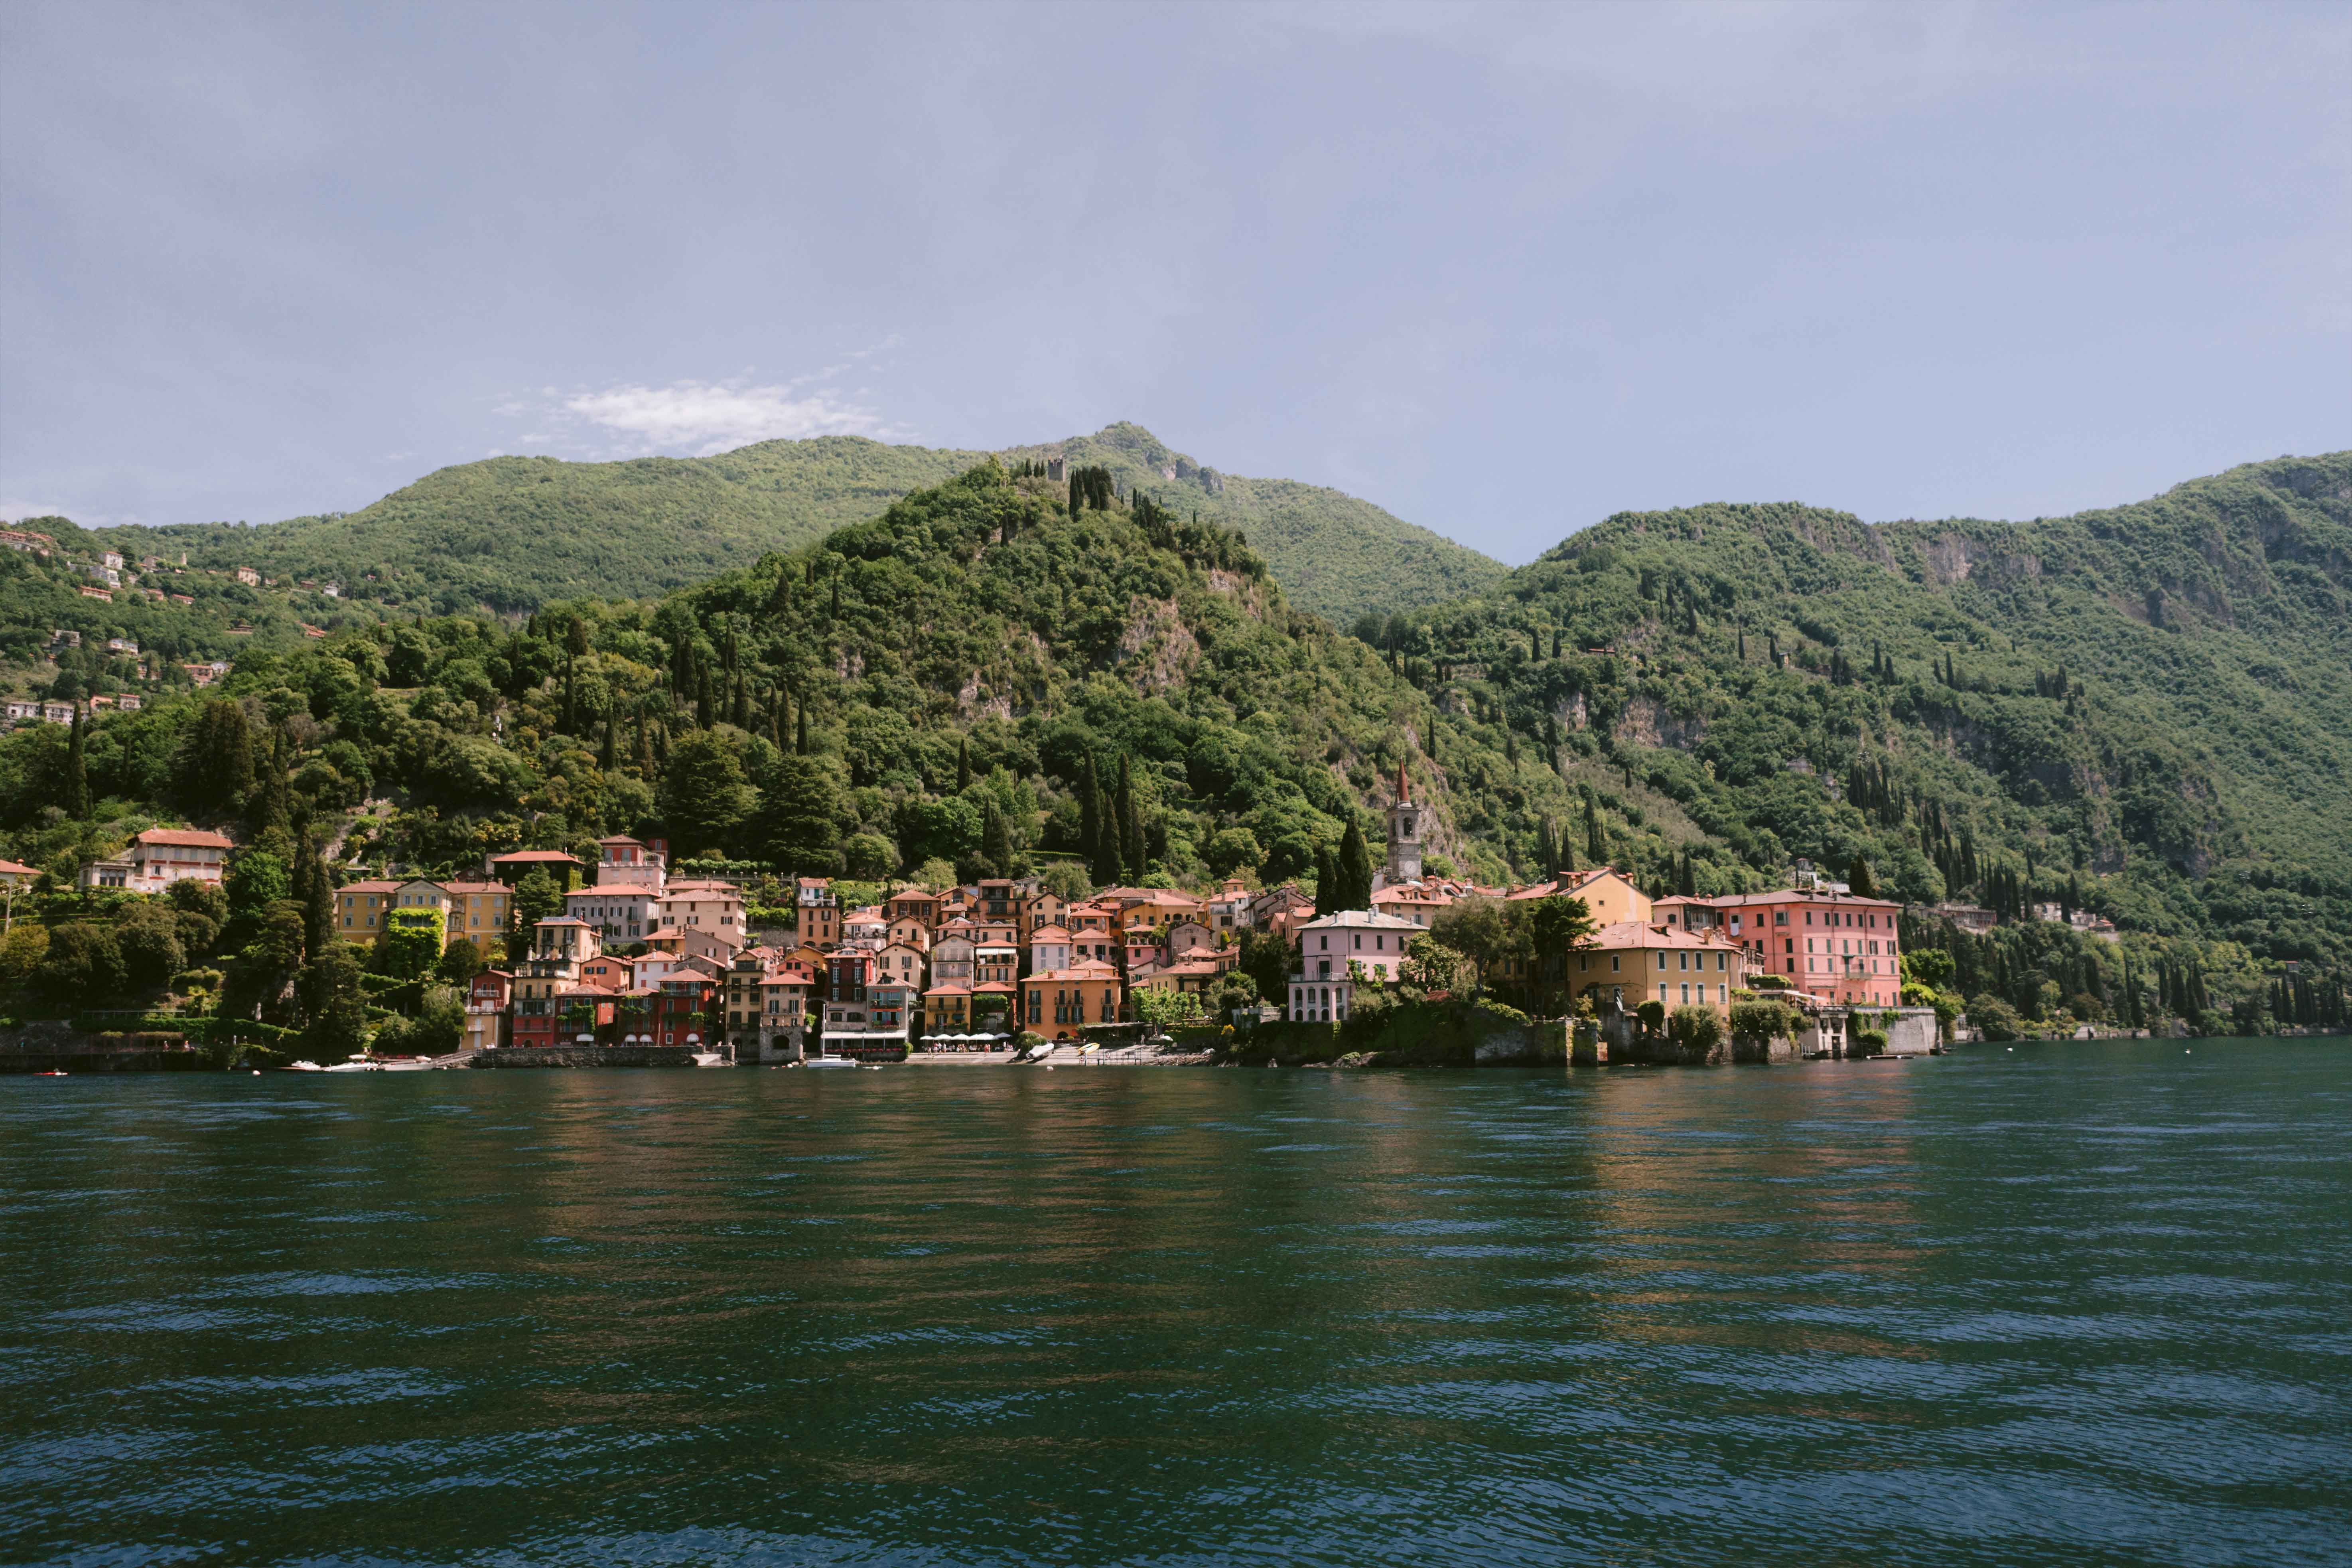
(184, 839)
(1639, 934)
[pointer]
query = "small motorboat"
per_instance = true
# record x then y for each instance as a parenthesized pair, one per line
(829, 1062)
(355, 1065)
(406, 1064)
(710, 1059)
(53, 1072)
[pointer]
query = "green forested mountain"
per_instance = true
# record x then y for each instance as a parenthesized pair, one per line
(2145, 711)
(513, 533)
(2141, 713)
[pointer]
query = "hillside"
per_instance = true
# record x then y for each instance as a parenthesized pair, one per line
(2142, 713)
(2146, 710)
(510, 534)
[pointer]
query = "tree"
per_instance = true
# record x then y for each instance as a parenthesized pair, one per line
(963, 763)
(82, 966)
(800, 804)
(329, 986)
(1130, 824)
(1696, 1028)
(1483, 930)
(1858, 879)
(216, 759)
(1267, 960)
(1596, 849)
(1327, 882)
(995, 842)
(1430, 967)
(147, 937)
(704, 795)
(77, 779)
(535, 898)
(1355, 869)
(459, 961)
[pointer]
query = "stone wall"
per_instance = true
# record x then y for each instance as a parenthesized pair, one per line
(587, 1056)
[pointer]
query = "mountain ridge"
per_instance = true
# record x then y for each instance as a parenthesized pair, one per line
(508, 534)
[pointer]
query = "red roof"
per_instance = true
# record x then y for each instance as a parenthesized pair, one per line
(11, 868)
(370, 887)
(519, 856)
(184, 839)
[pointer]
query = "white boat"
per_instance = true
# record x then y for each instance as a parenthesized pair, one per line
(710, 1059)
(411, 1063)
(356, 1067)
(828, 1062)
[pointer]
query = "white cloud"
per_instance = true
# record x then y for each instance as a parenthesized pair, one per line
(707, 417)
(14, 510)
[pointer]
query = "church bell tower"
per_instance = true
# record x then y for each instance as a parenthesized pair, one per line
(1404, 834)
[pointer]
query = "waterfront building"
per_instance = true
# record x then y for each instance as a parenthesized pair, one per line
(488, 997)
(1634, 962)
(1057, 1003)
(1333, 952)
(1831, 945)
(559, 946)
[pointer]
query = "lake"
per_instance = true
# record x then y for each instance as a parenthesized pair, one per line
(2064, 1304)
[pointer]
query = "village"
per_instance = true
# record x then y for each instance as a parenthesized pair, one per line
(642, 965)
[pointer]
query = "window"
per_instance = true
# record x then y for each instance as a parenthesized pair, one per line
(1685, 959)
(1662, 993)
(1612, 964)
(1685, 993)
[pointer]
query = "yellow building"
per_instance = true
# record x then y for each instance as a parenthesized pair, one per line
(1636, 962)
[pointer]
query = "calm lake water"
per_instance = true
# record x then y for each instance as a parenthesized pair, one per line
(2068, 1304)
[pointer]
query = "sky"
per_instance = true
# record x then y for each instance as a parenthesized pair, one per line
(1502, 269)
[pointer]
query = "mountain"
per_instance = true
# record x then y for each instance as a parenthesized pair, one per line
(2145, 711)
(510, 534)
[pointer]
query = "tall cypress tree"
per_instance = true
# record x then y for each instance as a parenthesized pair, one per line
(800, 730)
(1595, 849)
(1355, 869)
(963, 763)
(1090, 809)
(77, 790)
(1326, 882)
(1131, 853)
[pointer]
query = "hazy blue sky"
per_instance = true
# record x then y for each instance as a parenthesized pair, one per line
(1502, 269)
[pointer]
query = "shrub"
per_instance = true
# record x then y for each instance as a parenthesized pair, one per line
(1652, 1015)
(1995, 1017)
(1869, 1043)
(1694, 1027)
(1761, 1020)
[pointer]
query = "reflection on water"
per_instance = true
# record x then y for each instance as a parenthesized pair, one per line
(2072, 1305)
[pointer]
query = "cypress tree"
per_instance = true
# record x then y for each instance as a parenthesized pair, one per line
(1687, 878)
(800, 730)
(1595, 849)
(964, 765)
(77, 790)
(605, 754)
(995, 842)
(704, 706)
(1090, 810)
(1355, 869)
(1326, 882)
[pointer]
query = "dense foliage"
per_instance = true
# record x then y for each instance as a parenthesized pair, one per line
(510, 534)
